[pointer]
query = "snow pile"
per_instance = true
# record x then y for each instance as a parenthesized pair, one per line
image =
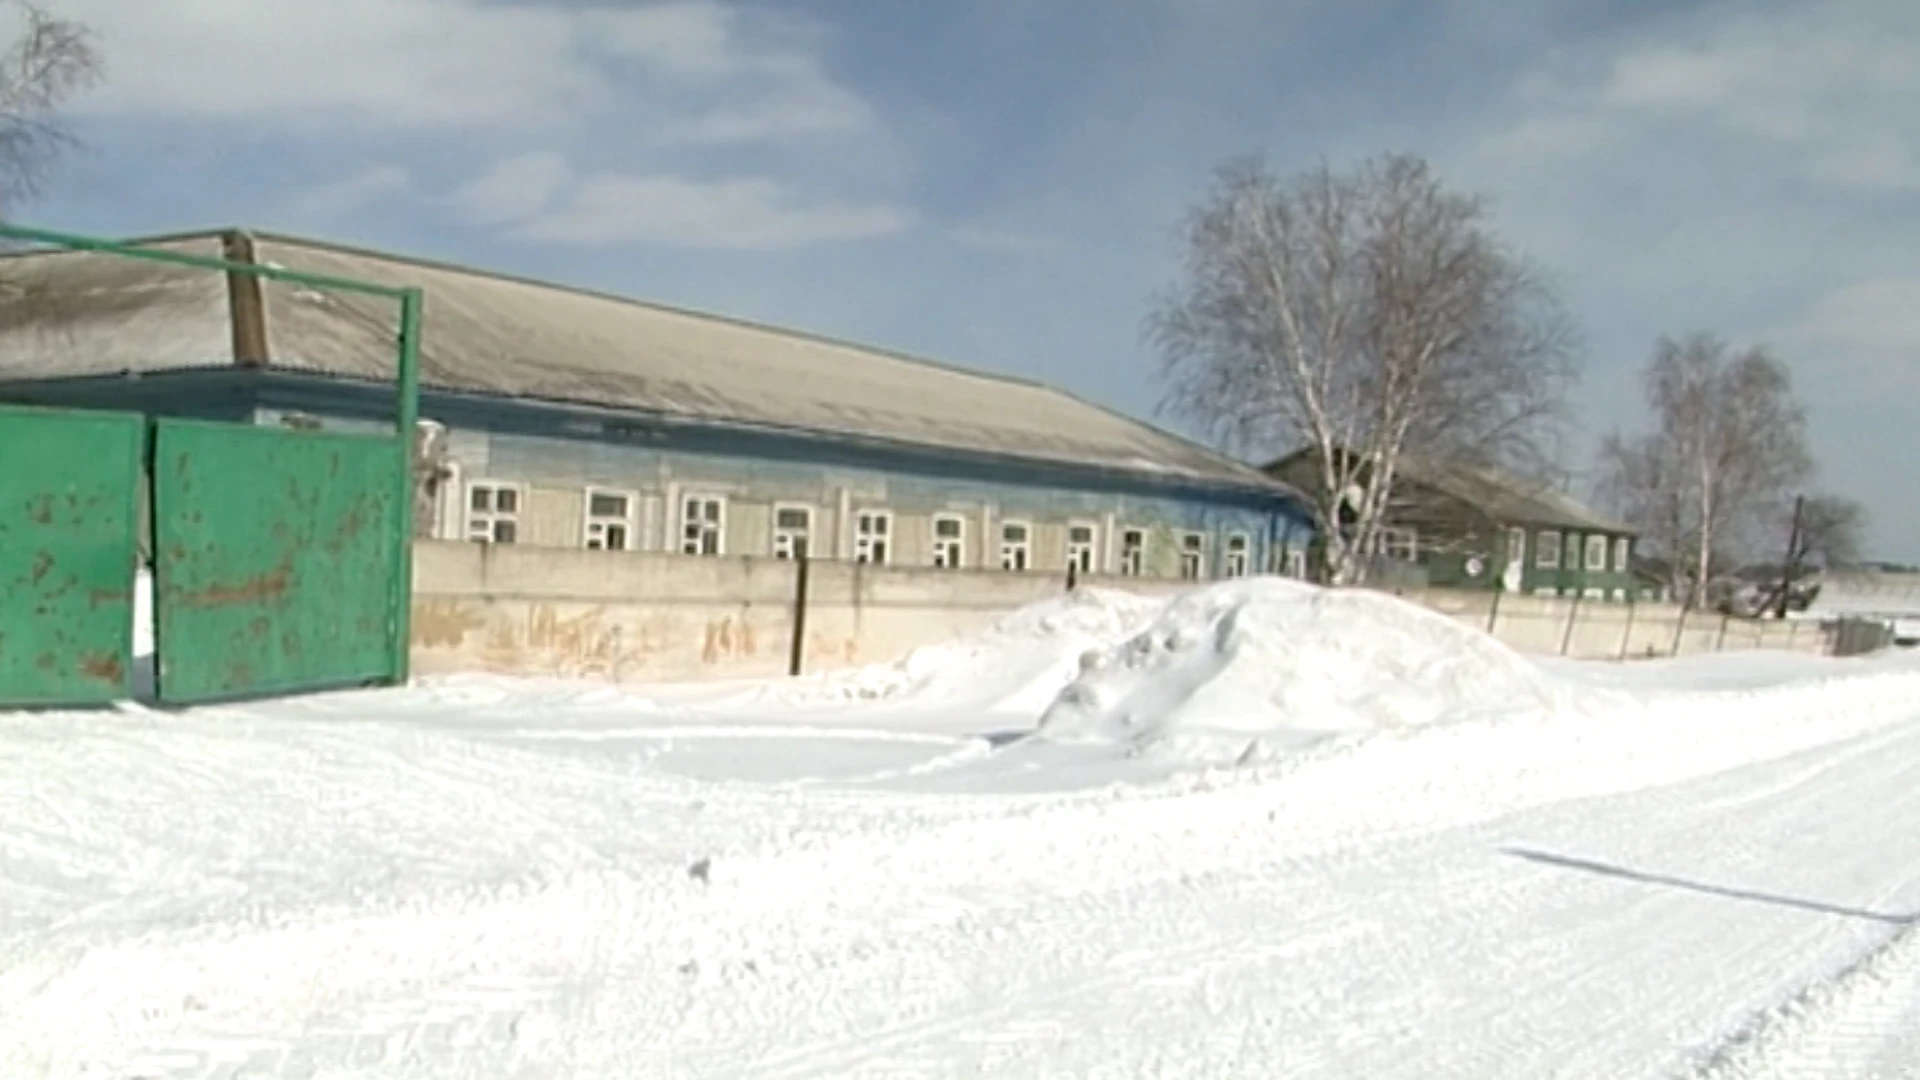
(1270, 664)
(1018, 663)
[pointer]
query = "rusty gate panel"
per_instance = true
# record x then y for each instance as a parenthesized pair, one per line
(274, 555)
(69, 487)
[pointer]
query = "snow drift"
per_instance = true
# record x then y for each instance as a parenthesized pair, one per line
(1270, 664)
(1018, 663)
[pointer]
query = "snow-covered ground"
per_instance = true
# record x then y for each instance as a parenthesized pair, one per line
(1260, 830)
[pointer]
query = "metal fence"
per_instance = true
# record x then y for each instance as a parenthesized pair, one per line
(281, 558)
(69, 516)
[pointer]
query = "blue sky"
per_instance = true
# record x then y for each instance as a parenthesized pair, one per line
(992, 182)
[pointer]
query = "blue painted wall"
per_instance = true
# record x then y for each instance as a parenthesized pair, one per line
(573, 446)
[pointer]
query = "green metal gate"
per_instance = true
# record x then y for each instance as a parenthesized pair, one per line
(69, 520)
(279, 560)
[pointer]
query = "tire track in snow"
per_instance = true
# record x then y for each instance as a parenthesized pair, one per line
(1015, 862)
(1862, 1024)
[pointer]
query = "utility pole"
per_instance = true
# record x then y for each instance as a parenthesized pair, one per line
(1789, 571)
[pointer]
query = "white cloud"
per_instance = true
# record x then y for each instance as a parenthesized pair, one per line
(1832, 84)
(346, 194)
(713, 69)
(673, 211)
(984, 238)
(1867, 330)
(513, 189)
(806, 109)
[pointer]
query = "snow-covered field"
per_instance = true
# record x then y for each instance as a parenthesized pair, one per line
(1258, 831)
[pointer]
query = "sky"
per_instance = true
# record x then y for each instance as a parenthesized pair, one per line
(994, 183)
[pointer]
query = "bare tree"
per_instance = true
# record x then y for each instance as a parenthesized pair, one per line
(1363, 314)
(1728, 444)
(1830, 532)
(44, 62)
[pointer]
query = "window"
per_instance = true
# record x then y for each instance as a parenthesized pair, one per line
(1516, 547)
(1238, 548)
(1400, 544)
(493, 512)
(1080, 548)
(792, 528)
(1193, 556)
(1622, 554)
(1016, 546)
(1297, 564)
(1133, 552)
(702, 525)
(1596, 553)
(872, 530)
(949, 540)
(1546, 550)
(609, 520)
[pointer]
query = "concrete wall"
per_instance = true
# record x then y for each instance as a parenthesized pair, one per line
(641, 617)
(1596, 630)
(651, 617)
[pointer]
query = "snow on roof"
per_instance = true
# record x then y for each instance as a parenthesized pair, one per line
(1867, 594)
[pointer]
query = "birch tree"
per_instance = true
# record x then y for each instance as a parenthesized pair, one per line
(44, 61)
(1727, 446)
(1361, 314)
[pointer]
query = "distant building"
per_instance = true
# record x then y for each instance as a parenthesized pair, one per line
(1457, 526)
(579, 419)
(1890, 598)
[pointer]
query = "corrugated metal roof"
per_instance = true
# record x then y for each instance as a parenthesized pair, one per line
(70, 313)
(1509, 498)
(1504, 497)
(490, 333)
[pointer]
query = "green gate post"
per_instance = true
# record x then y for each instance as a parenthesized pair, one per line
(402, 625)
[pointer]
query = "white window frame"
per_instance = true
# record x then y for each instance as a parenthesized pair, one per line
(948, 552)
(1598, 548)
(1516, 547)
(1622, 554)
(1133, 561)
(719, 523)
(1399, 543)
(784, 535)
(1193, 556)
(1547, 544)
(1016, 551)
(1239, 556)
(1084, 556)
(594, 526)
(490, 519)
(865, 540)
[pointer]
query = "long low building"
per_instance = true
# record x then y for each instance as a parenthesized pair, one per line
(1888, 597)
(582, 419)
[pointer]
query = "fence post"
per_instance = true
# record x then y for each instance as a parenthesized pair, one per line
(1573, 619)
(1493, 614)
(1720, 643)
(1626, 635)
(1073, 575)
(1680, 629)
(797, 648)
